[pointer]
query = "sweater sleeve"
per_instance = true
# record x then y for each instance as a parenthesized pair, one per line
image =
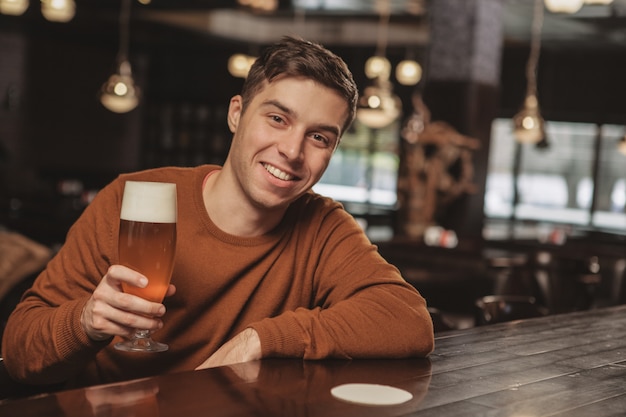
(363, 307)
(43, 341)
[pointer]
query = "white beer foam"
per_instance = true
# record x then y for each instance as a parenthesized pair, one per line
(152, 202)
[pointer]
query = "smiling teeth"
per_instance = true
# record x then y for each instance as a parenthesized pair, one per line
(278, 173)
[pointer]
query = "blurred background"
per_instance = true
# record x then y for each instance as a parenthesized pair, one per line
(488, 156)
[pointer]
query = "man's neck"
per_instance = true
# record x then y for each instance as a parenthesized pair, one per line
(231, 212)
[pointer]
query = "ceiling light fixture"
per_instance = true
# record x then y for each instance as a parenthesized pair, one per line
(377, 66)
(13, 7)
(58, 10)
(119, 94)
(408, 72)
(528, 124)
(379, 106)
(564, 6)
(239, 65)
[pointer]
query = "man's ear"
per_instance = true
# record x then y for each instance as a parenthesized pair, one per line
(234, 112)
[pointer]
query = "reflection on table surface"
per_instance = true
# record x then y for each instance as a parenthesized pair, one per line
(561, 365)
(272, 387)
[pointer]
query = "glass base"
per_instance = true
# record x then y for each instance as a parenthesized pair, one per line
(141, 342)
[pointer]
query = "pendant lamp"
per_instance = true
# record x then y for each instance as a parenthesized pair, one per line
(564, 6)
(13, 7)
(58, 10)
(378, 106)
(528, 125)
(120, 94)
(408, 72)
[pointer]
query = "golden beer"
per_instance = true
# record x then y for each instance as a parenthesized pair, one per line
(148, 248)
(147, 244)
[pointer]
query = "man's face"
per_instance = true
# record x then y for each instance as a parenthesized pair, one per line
(284, 140)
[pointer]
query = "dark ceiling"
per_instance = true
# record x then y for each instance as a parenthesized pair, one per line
(349, 22)
(354, 21)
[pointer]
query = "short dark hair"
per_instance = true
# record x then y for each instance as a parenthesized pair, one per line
(293, 56)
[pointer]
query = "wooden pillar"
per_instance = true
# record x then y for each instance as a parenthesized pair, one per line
(13, 151)
(462, 89)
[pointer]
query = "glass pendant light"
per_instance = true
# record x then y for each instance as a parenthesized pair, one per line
(528, 125)
(408, 72)
(239, 65)
(58, 10)
(13, 7)
(378, 106)
(564, 6)
(119, 94)
(377, 66)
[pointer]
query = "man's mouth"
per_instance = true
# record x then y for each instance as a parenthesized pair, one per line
(278, 173)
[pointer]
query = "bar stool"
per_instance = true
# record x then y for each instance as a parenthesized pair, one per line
(493, 309)
(440, 322)
(509, 271)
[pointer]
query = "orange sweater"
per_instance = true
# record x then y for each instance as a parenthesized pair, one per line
(313, 288)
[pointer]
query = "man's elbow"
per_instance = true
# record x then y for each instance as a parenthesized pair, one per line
(425, 339)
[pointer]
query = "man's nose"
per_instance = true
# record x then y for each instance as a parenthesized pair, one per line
(292, 146)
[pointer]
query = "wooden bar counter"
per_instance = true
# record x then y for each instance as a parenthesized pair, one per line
(562, 365)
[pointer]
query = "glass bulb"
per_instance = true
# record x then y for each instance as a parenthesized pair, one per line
(239, 65)
(58, 10)
(13, 7)
(119, 94)
(564, 6)
(408, 72)
(378, 107)
(528, 123)
(377, 67)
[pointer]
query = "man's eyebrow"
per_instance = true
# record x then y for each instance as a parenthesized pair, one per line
(326, 128)
(278, 104)
(330, 129)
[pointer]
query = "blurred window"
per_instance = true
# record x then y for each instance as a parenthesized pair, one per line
(364, 168)
(610, 200)
(577, 178)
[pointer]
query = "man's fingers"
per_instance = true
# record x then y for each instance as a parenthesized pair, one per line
(171, 290)
(110, 311)
(119, 273)
(106, 320)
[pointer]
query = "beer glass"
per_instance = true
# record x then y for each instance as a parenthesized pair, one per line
(147, 244)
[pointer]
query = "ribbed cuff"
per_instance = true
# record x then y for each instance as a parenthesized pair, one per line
(281, 337)
(71, 340)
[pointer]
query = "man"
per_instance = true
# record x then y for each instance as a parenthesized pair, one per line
(264, 267)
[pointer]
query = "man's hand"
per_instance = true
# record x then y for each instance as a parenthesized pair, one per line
(244, 347)
(110, 312)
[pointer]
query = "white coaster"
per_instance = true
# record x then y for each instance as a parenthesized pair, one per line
(371, 394)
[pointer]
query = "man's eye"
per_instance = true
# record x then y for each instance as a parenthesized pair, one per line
(277, 119)
(321, 138)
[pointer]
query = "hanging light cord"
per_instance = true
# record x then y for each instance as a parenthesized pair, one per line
(383, 6)
(124, 31)
(535, 47)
